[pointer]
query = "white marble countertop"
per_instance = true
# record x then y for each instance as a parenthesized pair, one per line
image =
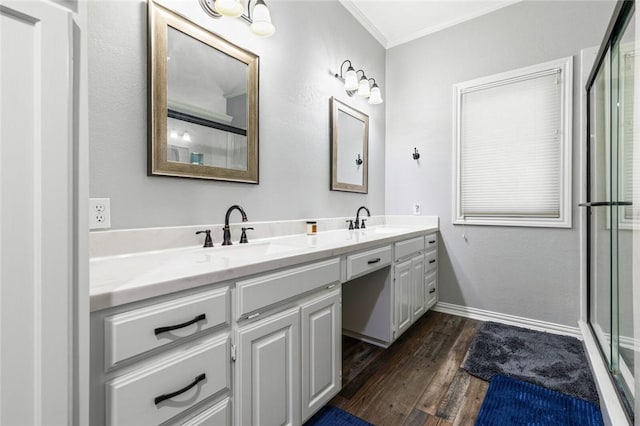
(120, 279)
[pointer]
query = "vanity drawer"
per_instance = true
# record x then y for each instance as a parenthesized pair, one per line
(131, 333)
(407, 248)
(217, 415)
(431, 241)
(431, 280)
(184, 379)
(431, 260)
(257, 293)
(368, 261)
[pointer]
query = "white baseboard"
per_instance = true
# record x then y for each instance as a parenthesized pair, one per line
(483, 315)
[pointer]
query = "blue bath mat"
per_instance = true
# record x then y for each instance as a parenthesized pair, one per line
(332, 416)
(515, 403)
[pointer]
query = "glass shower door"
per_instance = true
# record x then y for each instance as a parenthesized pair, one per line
(625, 219)
(612, 220)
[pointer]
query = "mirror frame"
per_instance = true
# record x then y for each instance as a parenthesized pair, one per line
(336, 107)
(160, 19)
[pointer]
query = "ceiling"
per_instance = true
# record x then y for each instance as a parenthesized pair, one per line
(394, 22)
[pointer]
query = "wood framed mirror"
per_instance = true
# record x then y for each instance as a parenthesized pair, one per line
(203, 102)
(349, 148)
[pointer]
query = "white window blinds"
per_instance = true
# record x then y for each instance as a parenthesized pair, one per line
(511, 146)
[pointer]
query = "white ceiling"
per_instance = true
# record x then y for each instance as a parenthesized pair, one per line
(393, 22)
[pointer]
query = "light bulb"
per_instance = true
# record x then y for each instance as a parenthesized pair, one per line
(173, 134)
(186, 137)
(261, 17)
(230, 8)
(376, 97)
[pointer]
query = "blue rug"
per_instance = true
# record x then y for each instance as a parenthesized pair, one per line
(332, 416)
(515, 403)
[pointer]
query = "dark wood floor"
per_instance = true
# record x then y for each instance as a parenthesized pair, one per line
(417, 380)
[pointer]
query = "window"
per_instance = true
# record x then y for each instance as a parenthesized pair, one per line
(512, 159)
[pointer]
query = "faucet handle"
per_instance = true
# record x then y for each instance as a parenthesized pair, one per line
(207, 239)
(243, 236)
(362, 225)
(350, 223)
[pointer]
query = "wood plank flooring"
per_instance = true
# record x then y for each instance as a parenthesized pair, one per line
(416, 381)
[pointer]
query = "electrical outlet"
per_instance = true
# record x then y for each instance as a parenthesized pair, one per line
(416, 208)
(99, 213)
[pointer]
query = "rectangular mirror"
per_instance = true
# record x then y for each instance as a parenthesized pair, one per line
(203, 102)
(349, 148)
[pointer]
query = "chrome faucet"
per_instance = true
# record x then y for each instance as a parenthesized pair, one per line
(226, 238)
(358, 225)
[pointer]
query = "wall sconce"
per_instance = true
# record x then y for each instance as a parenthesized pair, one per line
(359, 160)
(416, 154)
(258, 17)
(360, 85)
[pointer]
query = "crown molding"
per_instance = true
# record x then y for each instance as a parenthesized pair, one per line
(364, 21)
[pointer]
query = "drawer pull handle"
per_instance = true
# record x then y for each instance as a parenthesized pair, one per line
(159, 399)
(331, 286)
(432, 261)
(433, 290)
(371, 262)
(432, 242)
(159, 330)
(252, 316)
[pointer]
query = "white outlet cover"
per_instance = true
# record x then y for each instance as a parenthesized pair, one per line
(99, 213)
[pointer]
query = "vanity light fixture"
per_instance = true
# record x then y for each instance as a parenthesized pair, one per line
(186, 137)
(360, 85)
(260, 22)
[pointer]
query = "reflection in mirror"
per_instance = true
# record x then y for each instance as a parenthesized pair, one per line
(349, 148)
(204, 102)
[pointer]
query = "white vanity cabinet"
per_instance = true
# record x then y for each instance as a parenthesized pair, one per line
(162, 360)
(409, 284)
(263, 347)
(288, 356)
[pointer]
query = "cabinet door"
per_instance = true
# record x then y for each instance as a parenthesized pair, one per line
(403, 293)
(268, 373)
(321, 352)
(418, 284)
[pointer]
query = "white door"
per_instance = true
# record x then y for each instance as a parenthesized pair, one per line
(37, 233)
(418, 295)
(403, 285)
(321, 352)
(268, 371)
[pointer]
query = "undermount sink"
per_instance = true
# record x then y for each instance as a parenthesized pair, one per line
(253, 249)
(389, 230)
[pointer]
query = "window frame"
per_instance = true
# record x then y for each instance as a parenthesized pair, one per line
(566, 109)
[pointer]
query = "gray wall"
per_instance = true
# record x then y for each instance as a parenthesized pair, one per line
(295, 87)
(529, 272)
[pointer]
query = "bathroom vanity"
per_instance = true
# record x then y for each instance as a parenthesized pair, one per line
(249, 334)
